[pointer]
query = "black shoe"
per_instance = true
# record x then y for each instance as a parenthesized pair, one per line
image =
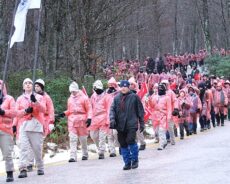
(218, 124)
(181, 138)
(214, 125)
(9, 177)
(29, 168)
(190, 133)
(209, 127)
(134, 164)
(187, 134)
(194, 132)
(84, 158)
(23, 174)
(160, 149)
(40, 172)
(142, 147)
(127, 167)
(101, 156)
(164, 146)
(222, 124)
(72, 160)
(112, 155)
(201, 130)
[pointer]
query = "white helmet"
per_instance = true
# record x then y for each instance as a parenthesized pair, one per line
(73, 87)
(98, 84)
(40, 81)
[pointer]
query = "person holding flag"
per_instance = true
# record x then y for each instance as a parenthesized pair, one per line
(49, 117)
(30, 125)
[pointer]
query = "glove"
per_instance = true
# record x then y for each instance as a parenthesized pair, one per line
(51, 127)
(2, 112)
(198, 110)
(32, 98)
(175, 112)
(142, 128)
(61, 115)
(29, 110)
(14, 128)
(88, 123)
(112, 125)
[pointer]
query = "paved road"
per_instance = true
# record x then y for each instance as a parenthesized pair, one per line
(200, 159)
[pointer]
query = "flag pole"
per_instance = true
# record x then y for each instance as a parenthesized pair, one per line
(37, 44)
(8, 51)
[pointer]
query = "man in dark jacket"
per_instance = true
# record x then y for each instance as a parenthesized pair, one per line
(126, 113)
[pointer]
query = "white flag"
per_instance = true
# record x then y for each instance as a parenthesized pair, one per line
(35, 4)
(20, 22)
(20, 19)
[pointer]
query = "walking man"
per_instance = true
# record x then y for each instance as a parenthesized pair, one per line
(125, 114)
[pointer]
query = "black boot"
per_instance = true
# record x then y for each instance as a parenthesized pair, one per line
(40, 172)
(23, 174)
(222, 119)
(72, 160)
(84, 158)
(29, 168)
(127, 166)
(134, 164)
(112, 155)
(9, 177)
(142, 147)
(101, 156)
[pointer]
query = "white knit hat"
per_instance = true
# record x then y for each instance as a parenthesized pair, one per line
(98, 84)
(73, 87)
(27, 80)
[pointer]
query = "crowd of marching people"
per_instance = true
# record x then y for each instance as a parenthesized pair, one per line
(172, 101)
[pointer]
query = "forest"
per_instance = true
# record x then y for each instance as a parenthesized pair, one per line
(77, 37)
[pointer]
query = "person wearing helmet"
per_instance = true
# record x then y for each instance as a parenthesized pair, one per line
(30, 125)
(7, 113)
(39, 87)
(100, 123)
(79, 115)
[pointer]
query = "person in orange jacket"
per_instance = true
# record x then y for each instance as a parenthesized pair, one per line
(183, 105)
(100, 123)
(111, 92)
(161, 106)
(39, 86)
(30, 126)
(7, 113)
(220, 102)
(79, 114)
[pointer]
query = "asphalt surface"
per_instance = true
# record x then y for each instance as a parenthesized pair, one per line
(199, 159)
